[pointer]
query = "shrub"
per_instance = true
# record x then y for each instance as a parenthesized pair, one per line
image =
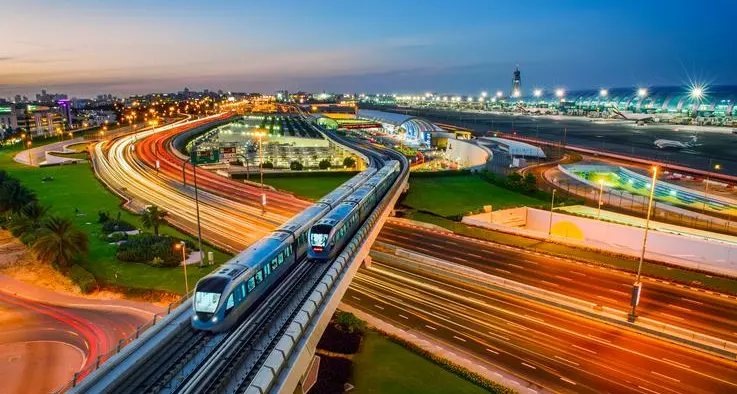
(116, 237)
(268, 164)
(103, 216)
(117, 225)
(324, 164)
(350, 323)
(83, 278)
(296, 166)
(143, 248)
(349, 162)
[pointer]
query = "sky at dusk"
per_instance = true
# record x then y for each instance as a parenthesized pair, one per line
(86, 47)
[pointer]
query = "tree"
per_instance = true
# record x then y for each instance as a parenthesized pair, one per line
(59, 242)
(268, 164)
(296, 166)
(13, 196)
(28, 222)
(530, 182)
(153, 217)
(324, 164)
(349, 162)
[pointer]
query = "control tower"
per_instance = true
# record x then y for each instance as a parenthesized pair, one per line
(516, 83)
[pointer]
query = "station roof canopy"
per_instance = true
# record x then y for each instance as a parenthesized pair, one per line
(407, 122)
(514, 148)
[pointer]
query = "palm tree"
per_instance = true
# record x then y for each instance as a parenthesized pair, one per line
(59, 242)
(13, 196)
(26, 224)
(152, 216)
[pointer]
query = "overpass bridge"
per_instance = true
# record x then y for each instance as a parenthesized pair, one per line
(272, 349)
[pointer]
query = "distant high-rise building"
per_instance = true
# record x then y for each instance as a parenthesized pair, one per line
(516, 83)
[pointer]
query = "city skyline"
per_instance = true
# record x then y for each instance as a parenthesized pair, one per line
(473, 46)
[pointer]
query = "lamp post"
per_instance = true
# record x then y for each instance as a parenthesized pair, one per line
(550, 224)
(260, 134)
(30, 159)
(182, 245)
(196, 200)
(637, 286)
(717, 167)
(601, 194)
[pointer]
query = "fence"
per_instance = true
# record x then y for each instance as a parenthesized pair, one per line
(122, 343)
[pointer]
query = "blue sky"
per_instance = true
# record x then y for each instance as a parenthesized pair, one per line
(85, 47)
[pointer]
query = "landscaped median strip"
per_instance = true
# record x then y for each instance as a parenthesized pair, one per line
(607, 315)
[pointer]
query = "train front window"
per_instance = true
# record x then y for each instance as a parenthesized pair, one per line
(208, 293)
(319, 237)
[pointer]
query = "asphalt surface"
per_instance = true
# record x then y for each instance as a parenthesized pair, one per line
(554, 351)
(700, 311)
(616, 136)
(42, 344)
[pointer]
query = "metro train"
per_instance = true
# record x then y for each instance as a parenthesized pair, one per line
(330, 234)
(223, 297)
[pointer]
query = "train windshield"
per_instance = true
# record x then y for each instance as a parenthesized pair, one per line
(319, 236)
(208, 293)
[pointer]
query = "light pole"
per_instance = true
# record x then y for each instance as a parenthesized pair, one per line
(182, 245)
(637, 286)
(550, 224)
(601, 194)
(260, 134)
(196, 199)
(717, 167)
(30, 159)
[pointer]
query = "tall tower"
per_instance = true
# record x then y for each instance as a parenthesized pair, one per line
(516, 83)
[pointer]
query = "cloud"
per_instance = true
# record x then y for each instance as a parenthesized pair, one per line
(5, 58)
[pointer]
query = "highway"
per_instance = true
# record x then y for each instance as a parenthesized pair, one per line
(553, 350)
(537, 342)
(43, 343)
(700, 311)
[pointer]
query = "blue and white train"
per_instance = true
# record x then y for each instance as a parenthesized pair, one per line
(224, 296)
(331, 233)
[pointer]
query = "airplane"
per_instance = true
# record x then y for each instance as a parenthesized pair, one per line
(640, 119)
(671, 144)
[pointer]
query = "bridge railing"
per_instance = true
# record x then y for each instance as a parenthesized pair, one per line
(122, 343)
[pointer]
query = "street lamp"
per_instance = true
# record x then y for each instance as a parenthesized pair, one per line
(601, 193)
(537, 92)
(560, 93)
(642, 92)
(260, 134)
(182, 245)
(550, 224)
(697, 93)
(637, 286)
(603, 92)
(30, 159)
(717, 167)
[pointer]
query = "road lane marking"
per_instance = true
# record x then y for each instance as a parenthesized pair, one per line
(564, 278)
(693, 301)
(671, 316)
(459, 338)
(531, 262)
(492, 351)
(578, 273)
(550, 283)
(567, 360)
(521, 327)
(499, 336)
(356, 298)
(431, 327)
(529, 366)
(665, 376)
(606, 298)
(676, 363)
(647, 389)
(568, 380)
(679, 307)
(380, 307)
(584, 349)
(404, 317)
(502, 270)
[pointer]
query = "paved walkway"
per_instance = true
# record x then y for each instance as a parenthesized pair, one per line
(38, 155)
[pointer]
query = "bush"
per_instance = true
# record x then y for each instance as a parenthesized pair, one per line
(268, 164)
(337, 340)
(334, 373)
(350, 323)
(296, 166)
(83, 278)
(349, 162)
(117, 225)
(324, 164)
(116, 237)
(103, 216)
(144, 248)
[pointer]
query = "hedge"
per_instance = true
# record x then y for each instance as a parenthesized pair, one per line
(144, 248)
(83, 278)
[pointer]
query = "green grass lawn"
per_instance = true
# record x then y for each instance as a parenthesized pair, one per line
(309, 185)
(453, 195)
(382, 366)
(76, 187)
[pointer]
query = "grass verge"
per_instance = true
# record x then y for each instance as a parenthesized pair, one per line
(692, 278)
(75, 192)
(383, 366)
(309, 185)
(456, 195)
